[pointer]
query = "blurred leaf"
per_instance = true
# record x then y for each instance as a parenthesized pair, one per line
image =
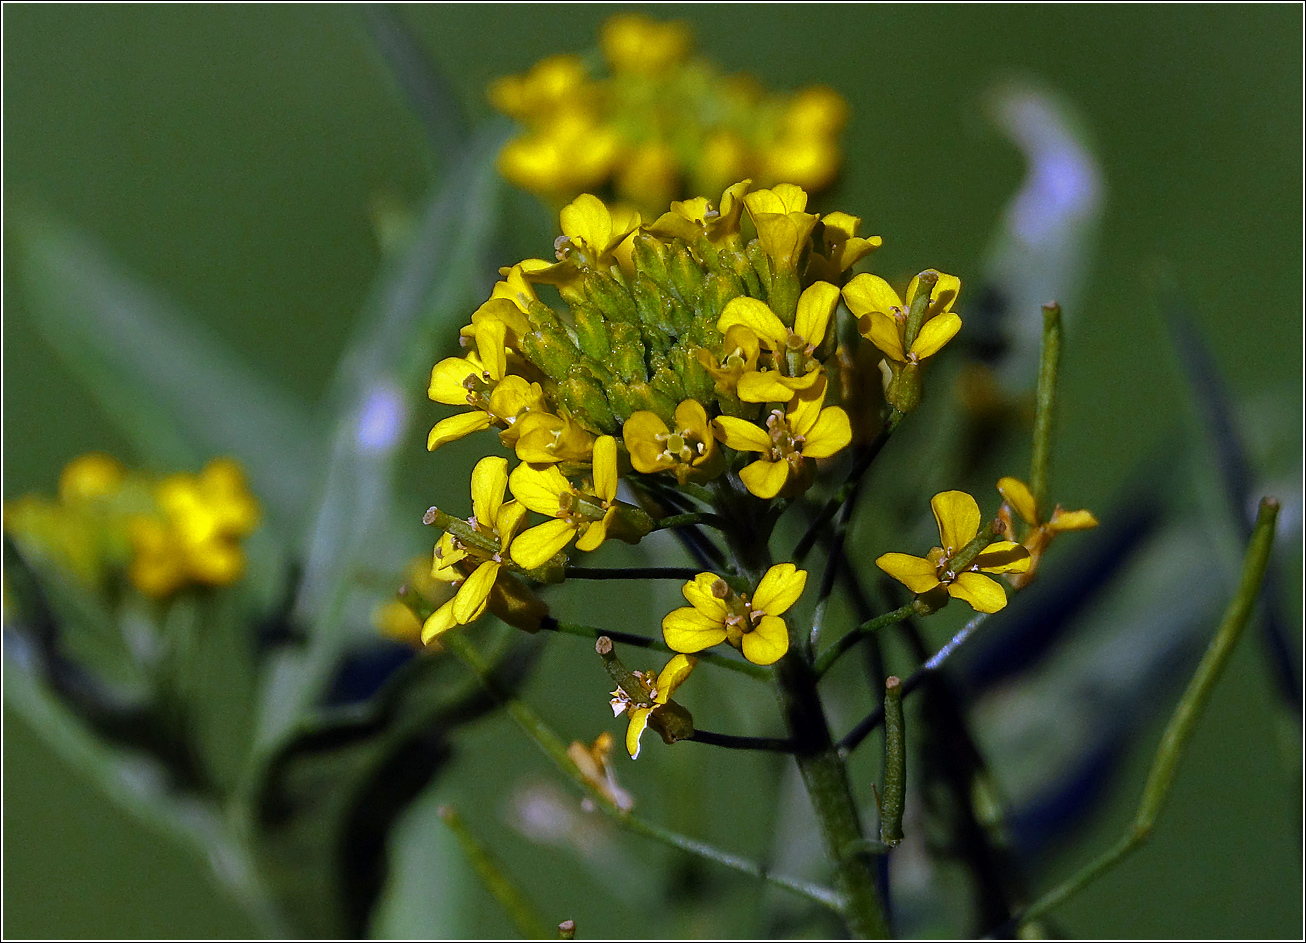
(421, 295)
(174, 389)
(331, 795)
(428, 94)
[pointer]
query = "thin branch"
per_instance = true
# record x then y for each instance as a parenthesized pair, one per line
(551, 744)
(632, 573)
(643, 641)
(847, 489)
(872, 720)
(1184, 719)
(834, 652)
(732, 742)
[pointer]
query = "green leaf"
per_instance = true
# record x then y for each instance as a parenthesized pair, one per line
(420, 298)
(176, 391)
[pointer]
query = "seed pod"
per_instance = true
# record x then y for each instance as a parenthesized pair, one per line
(895, 765)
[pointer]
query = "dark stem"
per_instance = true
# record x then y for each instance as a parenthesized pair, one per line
(632, 573)
(732, 742)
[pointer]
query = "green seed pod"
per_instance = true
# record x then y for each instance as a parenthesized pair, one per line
(895, 765)
(904, 389)
(627, 351)
(591, 331)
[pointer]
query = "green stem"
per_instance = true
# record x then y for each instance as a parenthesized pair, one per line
(895, 764)
(553, 747)
(684, 520)
(1181, 725)
(826, 780)
(832, 654)
(1049, 360)
(528, 921)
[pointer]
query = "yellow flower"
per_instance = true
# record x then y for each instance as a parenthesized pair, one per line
(783, 227)
(543, 438)
(551, 83)
(958, 518)
(1017, 497)
(575, 152)
(594, 236)
(653, 705)
(739, 353)
(804, 431)
(843, 247)
(195, 537)
(633, 42)
(719, 614)
(90, 477)
(473, 562)
(583, 515)
(688, 451)
(882, 316)
(792, 350)
(496, 399)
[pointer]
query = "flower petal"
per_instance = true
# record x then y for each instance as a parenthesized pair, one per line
(779, 589)
(815, 308)
(534, 547)
(539, 488)
(672, 675)
(1071, 520)
(593, 534)
(638, 721)
(831, 433)
(1002, 556)
(916, 573)
(764, 478)
(741, 435)
(640, 433)
(1016, 493)
(469, 604)
(885, 332)
(698, 593)
(447, 378)
(934, 334)
(982, 593)
(958, 517)
(768, 642)
(757, 317)
(605, 467)
(489, 478)
(688, 630)
(508, 522)
(455, 427)
(867, 293)
(770, 386)
(438, 622)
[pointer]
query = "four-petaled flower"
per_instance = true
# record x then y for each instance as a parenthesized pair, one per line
(1017, 497)
(653, 705)
(782, 225)
(689, 450)
(792, 350)
(719, 614)
(804, 431)
(475, 559)
(882, 316)
(582, 514)
(958, 517)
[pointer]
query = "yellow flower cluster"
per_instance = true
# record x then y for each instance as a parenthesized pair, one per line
(702, 342)
(657, 122)
(167, 534)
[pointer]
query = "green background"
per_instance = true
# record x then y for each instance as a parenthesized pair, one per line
(228, 156)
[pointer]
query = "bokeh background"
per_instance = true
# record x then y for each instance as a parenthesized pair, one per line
(229, 157)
